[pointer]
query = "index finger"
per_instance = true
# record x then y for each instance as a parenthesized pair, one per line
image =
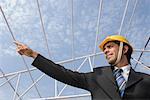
(18, 43)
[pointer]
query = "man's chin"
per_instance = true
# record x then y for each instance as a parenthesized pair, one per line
(111, 62)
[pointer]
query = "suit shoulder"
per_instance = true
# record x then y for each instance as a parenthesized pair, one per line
(101, 68)
(144, 75)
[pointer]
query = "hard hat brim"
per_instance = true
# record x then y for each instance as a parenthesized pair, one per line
(111, 39)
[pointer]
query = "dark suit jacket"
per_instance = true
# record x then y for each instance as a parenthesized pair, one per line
(100, 82)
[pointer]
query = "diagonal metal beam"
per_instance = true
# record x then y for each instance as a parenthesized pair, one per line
(130, 20)
(142, 52)
(124, 14)
(43, 29)
(17, 85)
(33, 84)
(97, 30)
(64, 97)
(9, 82)
(76, 70)
(145, 66)
(91, 67)
(13, 76)
(7, 24)
(12, 35)
(72, 28)
(45, 35)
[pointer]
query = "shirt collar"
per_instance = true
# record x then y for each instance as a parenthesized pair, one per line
(125, 69)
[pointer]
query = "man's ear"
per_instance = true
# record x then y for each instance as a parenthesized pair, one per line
(125, 49)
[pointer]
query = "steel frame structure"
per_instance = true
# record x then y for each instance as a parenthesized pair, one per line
(18, 74)
(58, 95)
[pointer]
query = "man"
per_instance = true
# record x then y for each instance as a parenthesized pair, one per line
(117, 81)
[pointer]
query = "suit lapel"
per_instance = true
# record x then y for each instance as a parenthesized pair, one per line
(107, 82)
(133, 78)
(108, 73)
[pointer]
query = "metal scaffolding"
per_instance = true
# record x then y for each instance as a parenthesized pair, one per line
(87, 58)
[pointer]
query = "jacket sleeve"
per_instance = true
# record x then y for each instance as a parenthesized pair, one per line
(59, 73)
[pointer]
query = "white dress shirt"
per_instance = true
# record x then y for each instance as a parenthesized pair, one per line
(126, 70)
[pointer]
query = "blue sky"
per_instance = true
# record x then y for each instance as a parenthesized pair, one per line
(24, 20)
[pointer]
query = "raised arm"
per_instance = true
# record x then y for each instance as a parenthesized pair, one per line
(53, 70)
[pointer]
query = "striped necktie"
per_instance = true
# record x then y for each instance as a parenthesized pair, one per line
(120, 81)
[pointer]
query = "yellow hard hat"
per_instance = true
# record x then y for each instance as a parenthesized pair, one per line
(114, 38)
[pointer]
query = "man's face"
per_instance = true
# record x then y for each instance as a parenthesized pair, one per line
(111, 51)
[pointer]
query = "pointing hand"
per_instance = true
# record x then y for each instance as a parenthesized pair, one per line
(25, 50)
